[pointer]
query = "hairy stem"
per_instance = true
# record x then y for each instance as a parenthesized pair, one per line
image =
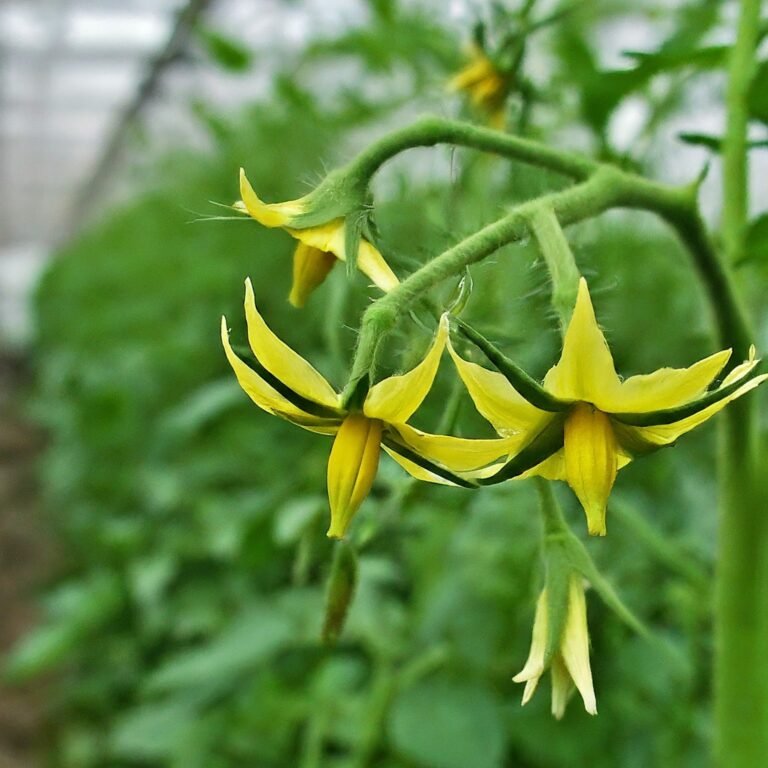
(432, 130)
(560, 262)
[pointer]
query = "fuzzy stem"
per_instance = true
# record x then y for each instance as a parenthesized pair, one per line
(431, 130)
(741, 596)
(560, 262)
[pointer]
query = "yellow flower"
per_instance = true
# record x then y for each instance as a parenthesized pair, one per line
(282, 383)
(569, 663)
(588, 423)
(319, 247)
(485, 85)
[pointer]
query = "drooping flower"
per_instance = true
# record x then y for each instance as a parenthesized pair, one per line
(319, 247)
(585, 423)
(284, 384)
(485, 84)
(569, 661)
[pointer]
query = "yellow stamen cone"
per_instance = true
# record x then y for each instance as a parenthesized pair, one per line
(352, 468)
(591, 462)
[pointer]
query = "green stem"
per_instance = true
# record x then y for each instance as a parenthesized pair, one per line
(605, 188)
(560, 262)
(551, 513)
(432, 130)
(735, 173)
(741, 597)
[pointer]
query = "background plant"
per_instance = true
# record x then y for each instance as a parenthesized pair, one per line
(184, 622)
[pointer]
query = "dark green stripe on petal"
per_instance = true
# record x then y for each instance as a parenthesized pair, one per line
(547, 442)
(528, 387)
(308, 406)
(418, 459)
(671, 415)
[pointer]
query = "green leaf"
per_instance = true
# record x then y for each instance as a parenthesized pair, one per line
(154, 731)
(249, 640)
(446, 723)
(227, 52)
(757, 238)
(86, 608)
(757, 100)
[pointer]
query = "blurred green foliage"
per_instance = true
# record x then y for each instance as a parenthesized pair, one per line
(184, 624)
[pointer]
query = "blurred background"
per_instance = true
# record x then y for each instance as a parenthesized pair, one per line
(162, 548)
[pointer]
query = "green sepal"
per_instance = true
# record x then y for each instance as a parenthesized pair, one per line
(393, 441)
(461, 294)
(581, 561)
(355, 393)
(630, 439)
(671, 415)
(524, 384)
(339, 194)
(548, 441)
(353, 223)
(341, 590)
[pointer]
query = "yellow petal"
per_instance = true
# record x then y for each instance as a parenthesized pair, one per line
(415, 470)
(352, 468)
(553, 468)
(331, 237)
(310, 268)
(478, 68)
(274, 215)
(591, 461)
(371, 263)
(395, 399)
(664, 434)
(741, 370)
(585, 370)
(265, 396)
(533, 669)
(281, 361)
(574, 646)
(458, 454)
(497, 400)
(327, 237)
(562, 686)
(667, 387)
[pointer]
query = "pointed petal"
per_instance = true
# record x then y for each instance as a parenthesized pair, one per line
(331, 238)
(274, 215)
(264, 395)
(741, 370)
(352, 468)
(591, 461)
(310, 268)
(371, 263)
(562, 687)
(281, 361)
(496, 399)
(575, 645)
(585, 370)
(458, 454)
(395, 399)
(664, 434)
(667, 387)
(534, 665)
